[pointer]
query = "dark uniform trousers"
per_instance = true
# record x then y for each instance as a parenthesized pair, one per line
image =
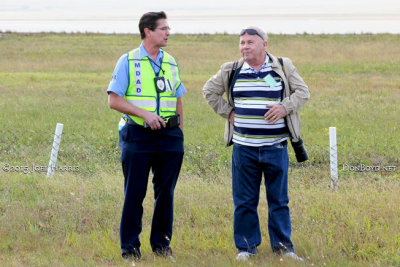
(162, 152)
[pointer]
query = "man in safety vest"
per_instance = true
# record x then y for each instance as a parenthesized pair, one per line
(146, 88)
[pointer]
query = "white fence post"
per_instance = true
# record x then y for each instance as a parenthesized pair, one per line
(333, 156)
(54, 150)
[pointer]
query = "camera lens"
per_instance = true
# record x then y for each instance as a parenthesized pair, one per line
(300, 151)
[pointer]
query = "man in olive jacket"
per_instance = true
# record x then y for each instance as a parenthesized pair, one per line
(261, 112)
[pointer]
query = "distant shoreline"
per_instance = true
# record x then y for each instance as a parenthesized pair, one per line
(2, 33)
(211, 25)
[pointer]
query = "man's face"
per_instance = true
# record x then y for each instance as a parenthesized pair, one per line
(252, 47)
(159, 36)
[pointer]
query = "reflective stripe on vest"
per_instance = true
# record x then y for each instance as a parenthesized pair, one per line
(146, 102)
(174, 71)
(141, 91)
(138, 78)
(167, 104)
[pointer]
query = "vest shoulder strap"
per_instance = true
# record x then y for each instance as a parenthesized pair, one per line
(167, 58)
(134, 54)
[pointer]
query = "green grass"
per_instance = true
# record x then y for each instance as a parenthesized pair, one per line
(73, 218)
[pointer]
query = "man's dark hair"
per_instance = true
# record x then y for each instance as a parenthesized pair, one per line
(149, 20)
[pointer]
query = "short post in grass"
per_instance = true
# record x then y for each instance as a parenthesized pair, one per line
(54, 150)
(333, 157)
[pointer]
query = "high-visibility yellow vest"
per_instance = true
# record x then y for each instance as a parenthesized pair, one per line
(142, 89)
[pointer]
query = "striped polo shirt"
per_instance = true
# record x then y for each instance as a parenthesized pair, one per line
(252, 92)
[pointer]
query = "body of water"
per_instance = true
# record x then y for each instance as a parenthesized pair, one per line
(209, 25)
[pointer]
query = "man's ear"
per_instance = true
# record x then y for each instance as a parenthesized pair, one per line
(147, 32)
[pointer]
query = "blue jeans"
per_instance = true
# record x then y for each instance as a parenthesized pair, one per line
(248, 165)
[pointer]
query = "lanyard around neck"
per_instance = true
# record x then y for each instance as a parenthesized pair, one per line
(156, 65)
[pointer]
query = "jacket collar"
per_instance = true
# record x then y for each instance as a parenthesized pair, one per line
(275, 62)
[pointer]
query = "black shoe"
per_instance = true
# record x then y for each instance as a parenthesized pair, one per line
(134, 254)
(165, 252)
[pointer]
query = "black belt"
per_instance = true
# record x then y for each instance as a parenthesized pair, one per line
(130, 122)
(170, 122)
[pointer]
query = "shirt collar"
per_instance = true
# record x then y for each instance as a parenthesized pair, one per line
(143, 53)
(266, 64)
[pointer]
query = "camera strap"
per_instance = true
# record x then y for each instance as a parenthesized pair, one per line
(284, 73)
(233, 76)
(287, 118)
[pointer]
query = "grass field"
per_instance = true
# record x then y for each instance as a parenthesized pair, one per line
(73, 218)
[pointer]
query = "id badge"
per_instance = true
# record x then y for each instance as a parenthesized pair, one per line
(160, 84)
(270, 80)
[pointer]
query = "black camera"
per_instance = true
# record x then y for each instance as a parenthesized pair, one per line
(170, 121)
(300, 151)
